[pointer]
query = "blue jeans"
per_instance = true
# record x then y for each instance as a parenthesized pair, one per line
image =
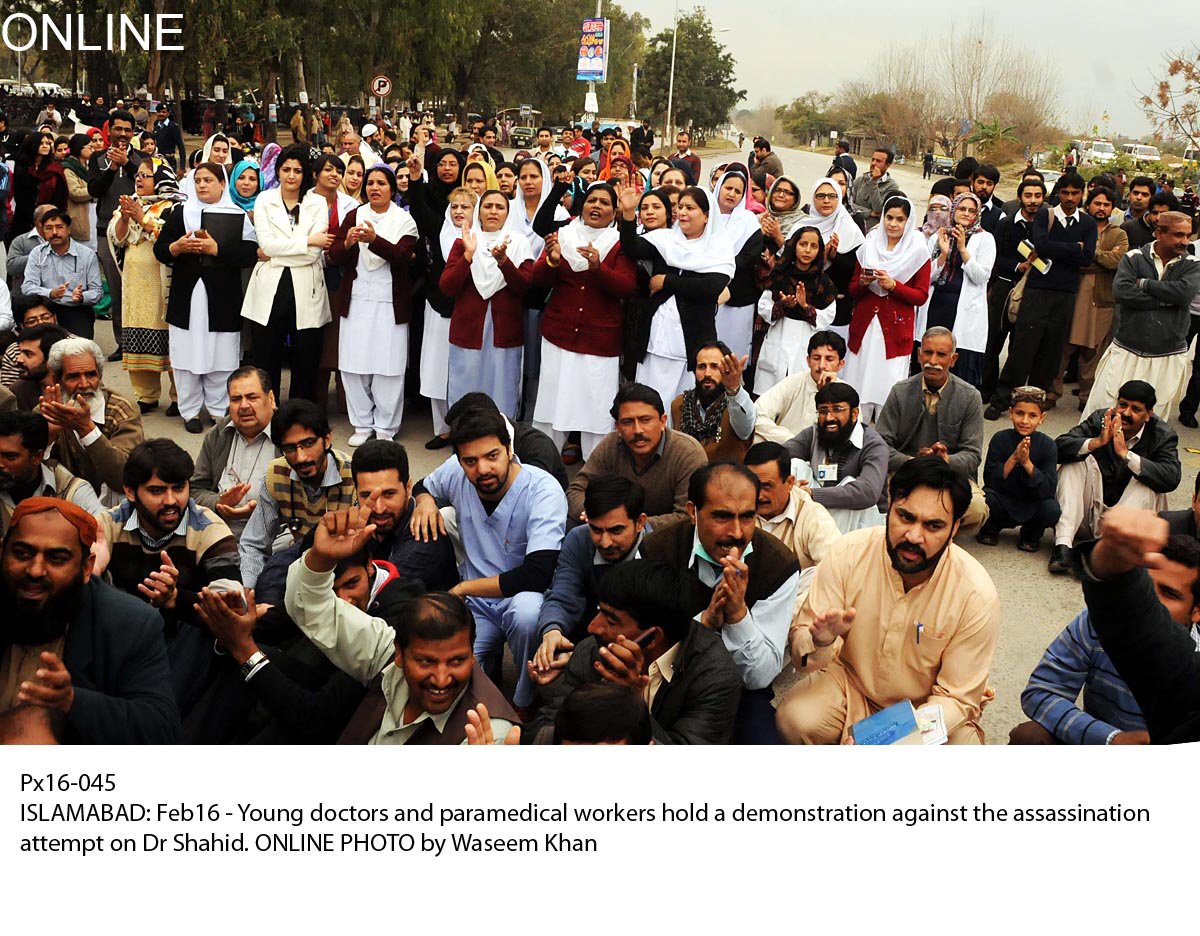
(514, 620)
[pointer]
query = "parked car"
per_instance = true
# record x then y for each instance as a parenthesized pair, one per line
(50, 88)
(522, 137)
(943, 165)
(1143, 154)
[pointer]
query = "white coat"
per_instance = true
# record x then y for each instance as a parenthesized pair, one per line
(287, 247)
(971, 322)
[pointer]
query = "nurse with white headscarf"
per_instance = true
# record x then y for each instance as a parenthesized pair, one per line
(842, 237)
(204, 305)
(740, 227)
(891, 281)
(488, 274)
(691, 266)
(376, 244)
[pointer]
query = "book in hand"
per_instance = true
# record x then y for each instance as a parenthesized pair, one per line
(901, 724)
(1025, 248)
(225, 227)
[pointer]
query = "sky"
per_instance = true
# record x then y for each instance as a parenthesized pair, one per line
(780, 63)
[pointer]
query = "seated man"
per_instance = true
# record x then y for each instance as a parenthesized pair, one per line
(510, 517)
(896, 612)
(1125, 456)
(742, 582)
(1020, 475)
(530, 445)
(421, 678)
(33, 352)
(92, 429)
(1186, 521)
(785, 509)
(236, 451)
(845, 460)
(603, 713)
(613, 533)
(1075, 661)
(789, 407)
(24, 473)
(937, 413)
(644, 450)
(165, 548)
(65, 272)
(70, 642)
(642, 638)
(1156, 657)
(718, 412)
(28, 316)
(381, 466)
(311, 478)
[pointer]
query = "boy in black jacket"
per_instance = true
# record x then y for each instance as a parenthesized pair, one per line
(1020, 474)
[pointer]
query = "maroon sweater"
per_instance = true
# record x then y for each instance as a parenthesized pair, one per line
(398, 256)
(584, 312)
(508, 305)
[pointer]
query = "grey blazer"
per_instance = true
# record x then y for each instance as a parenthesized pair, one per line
(959, 420)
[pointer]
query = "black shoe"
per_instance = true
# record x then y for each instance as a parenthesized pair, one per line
(147, 407)
(1061, 559)
(116, 355)
(173, 409)
(194, 425)
(437, 442)
(987, 536)
(1189, 420)
(993, 412)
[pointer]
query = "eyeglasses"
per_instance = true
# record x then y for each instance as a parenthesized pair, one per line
(825, 196)
(833, 410)
(1028, 395)
(302, 446)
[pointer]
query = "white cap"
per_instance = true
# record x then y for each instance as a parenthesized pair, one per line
(369, 130)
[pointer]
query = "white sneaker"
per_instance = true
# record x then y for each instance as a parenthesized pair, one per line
(359, 437)
(384, 436)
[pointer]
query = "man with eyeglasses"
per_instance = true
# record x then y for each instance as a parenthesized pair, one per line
(310, 479)
(33, 314)
(844, 461)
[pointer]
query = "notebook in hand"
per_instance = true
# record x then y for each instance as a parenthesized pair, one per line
(225, 227)
(896, 724)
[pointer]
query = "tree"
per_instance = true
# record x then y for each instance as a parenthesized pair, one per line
(991, 135)
(807, 116)
(704, 89)
(1174, 105)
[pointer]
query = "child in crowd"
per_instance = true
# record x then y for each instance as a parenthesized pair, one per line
(1020, 474)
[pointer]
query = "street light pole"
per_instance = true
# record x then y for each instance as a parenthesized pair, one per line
(669, 129)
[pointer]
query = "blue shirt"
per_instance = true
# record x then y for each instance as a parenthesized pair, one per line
(79, 266)
(1076, 661)
(530, 517)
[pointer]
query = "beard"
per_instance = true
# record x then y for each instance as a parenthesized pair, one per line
(707, 396)
(835, 439)
(911, 567)
(30, 624)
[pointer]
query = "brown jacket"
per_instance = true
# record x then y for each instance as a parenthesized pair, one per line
(103, 462)
(1111, 246)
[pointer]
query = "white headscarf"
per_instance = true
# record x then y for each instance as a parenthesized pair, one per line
(193, 209)
(449, 233)
(519, 223)
(574, 235)
(741, 223)
(708, 253)
(392, 225)
(485, 271)
(206, 152)
(902, 261)
(839, 222)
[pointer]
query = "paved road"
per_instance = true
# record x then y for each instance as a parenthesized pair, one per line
(1036, 605)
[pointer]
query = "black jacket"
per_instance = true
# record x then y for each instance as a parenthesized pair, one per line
(1181, 522)
(169, 139)
(222, 278)
(1155, 656)
(696, 707)
(1060, 244)
(117, 659)
(1009, 233)
(1158, 449)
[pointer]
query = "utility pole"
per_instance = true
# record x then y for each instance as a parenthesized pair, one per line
(633, 102)
(668, 130)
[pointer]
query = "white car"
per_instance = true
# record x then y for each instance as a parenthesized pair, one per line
(50, 88)
(1143, 154)
(1100, 151)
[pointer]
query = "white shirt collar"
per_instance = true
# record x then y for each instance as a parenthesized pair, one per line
(1063, 217)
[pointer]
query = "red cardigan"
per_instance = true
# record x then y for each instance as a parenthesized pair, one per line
(508, 305)
(398, 256)
(584, 312)
(897, 311)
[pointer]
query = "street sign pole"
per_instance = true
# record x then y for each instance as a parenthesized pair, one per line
(591, 86)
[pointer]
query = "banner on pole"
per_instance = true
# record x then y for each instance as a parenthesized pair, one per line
(593, 51)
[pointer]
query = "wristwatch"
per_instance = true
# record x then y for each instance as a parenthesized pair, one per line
(256, 661)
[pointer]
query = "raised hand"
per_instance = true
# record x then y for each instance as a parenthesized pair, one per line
(731, 371)
(51, 686)
(161, 588)
(828, 627)
(500, 251)
(479, 728)
(469, 242)
(231, 620)
(621, 662)
(592, 255)
(342, 534)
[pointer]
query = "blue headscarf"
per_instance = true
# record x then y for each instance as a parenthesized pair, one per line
(246, 204)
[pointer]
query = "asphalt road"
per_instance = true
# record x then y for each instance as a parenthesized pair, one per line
(1035, 604)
